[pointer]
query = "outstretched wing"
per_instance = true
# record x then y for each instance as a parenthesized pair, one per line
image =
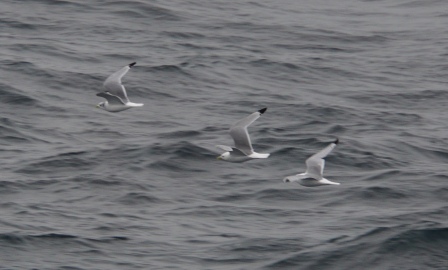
(240, 134)
(235, 151)
(316, 163)
(225, 147)
(113, 83)
(113, 100)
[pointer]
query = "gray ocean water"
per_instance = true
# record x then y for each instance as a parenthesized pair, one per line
(82, 188)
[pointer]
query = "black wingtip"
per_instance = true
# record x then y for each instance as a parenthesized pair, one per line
(132, 64)
(336, 141)
(262, 110)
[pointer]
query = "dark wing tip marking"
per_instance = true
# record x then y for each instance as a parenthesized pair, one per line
(336, 141)
(103, 94)
(132, 64)
(262, 110)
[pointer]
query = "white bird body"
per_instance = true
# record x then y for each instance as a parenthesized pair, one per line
(235, 155)
(115, 94)
(243, 150)
(313, 176)
(307, 180)
(118, 108)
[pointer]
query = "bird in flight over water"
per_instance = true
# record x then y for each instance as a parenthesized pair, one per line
(315, 164)
(115, 94)
(243, 149)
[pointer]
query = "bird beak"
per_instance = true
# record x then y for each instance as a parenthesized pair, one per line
(218, 157)
(97, 106)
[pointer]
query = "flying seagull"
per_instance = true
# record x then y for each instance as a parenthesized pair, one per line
(313, 176)
(115, 93)
(243, 150)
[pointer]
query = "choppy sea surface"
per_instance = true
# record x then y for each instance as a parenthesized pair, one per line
(82, 188)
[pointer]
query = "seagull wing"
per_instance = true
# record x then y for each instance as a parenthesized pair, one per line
(113, 83)
(316, 163)
(225, 147)
(113, 100)
(240, 134)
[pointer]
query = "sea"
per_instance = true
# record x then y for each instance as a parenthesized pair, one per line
(85, 189)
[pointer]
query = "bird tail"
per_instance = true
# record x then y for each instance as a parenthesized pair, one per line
(259, 155)
(135, 104)
(328, 182)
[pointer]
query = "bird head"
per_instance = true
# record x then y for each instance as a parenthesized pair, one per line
(101, 105)
(286, 180)
(291, 178)
(224, 156)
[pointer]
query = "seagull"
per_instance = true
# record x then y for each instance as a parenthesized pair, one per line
(115, 93)
(243, 150)
(315, 164)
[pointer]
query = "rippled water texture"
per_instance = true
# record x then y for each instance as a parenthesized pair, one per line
(81, 188)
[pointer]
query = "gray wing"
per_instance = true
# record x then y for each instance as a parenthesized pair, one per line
(316, 163)
(113, 100)
(238, 152)
(225, 147)
(240, 134)
(235, 151)
(113, 83)
(315, 167)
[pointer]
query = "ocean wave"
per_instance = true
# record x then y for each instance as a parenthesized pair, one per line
(12, 96)
(59, 162)
(19, 24)
(381, 248)
(16, 239)
(140, 10)
(378, 194)
(25, 67)
(136, 198)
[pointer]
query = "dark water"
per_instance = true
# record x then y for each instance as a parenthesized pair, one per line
(81, 188)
